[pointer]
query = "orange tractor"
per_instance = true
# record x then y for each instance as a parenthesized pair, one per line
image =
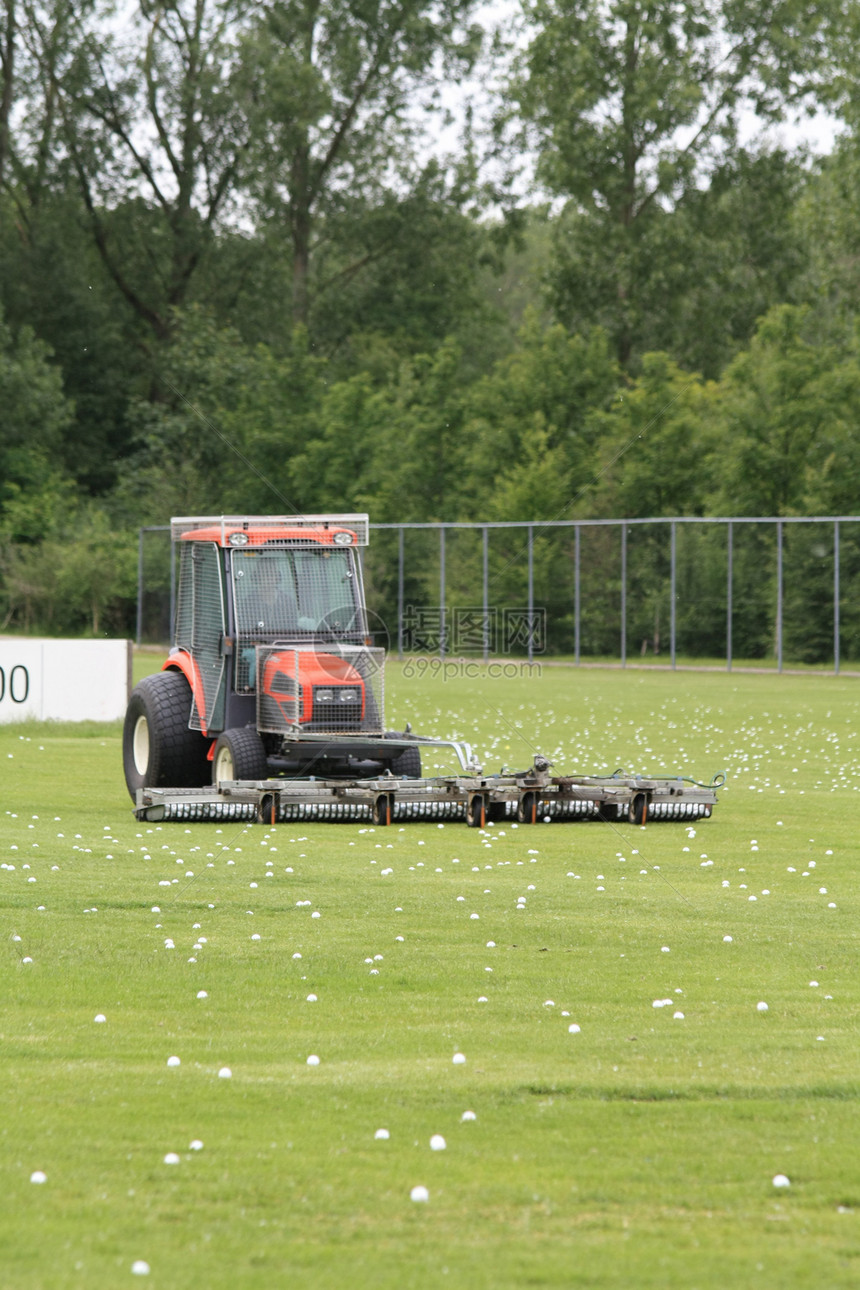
(272, 669)
(270, 704)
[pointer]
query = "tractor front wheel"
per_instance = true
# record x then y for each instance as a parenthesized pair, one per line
(239, 754)
(407, 764)
(158, 749)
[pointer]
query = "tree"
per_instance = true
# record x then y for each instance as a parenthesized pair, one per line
(631, 103)
(657, 449)
(225, 435)
(775, 413)
(35, 415)
(338, 92)
(553, 383)
(155, 128)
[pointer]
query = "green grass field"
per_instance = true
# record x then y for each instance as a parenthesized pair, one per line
(638, 1151)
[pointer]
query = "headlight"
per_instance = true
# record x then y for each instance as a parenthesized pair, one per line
(324, 696)
(348, 696)
(343, 538)
(238, 539)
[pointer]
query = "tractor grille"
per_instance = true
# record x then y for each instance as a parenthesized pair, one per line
(336, 716)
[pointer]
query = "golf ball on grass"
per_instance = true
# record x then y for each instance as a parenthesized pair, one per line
(437, 1142)
(225, 1073)
(140, 1268)
(419, 1194)
(38, 1177)
(780, 1180)
(174, 1061)
(459, 1059)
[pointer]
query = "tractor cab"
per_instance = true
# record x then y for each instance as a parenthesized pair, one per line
(271, 657)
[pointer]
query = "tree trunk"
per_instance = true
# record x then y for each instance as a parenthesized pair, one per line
(7, 69)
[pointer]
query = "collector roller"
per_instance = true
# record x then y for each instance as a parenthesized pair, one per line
(528, 797)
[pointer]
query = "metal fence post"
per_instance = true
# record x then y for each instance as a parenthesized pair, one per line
(576, 595)
(173, 561)
(442, 642)
(485, 591)
(139, 623)
(836, 597)
(531, 605)
(779, 595)
(400, 581)
(673, 561)
(623, 595)
(729, 563)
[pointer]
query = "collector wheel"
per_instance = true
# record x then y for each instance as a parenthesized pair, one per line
(638, 810)
(158, 749)
(239, 754)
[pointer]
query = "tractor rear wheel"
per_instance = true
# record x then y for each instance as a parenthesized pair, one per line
(239, 754)
(158, 749)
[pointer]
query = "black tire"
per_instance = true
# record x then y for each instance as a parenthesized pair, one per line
(239, 754)
(407, 764)
(158, 749)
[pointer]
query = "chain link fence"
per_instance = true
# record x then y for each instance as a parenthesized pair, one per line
(724, 590)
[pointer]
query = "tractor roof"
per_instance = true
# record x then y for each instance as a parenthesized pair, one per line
(261, 530)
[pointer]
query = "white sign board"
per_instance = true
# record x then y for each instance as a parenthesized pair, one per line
(63, 680)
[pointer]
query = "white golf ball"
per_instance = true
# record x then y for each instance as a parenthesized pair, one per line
(171, 1158)
(780, 1180)
(573, 1028)
(174, 1061)
(312, 998)
(437, 1142)
(313, 1060)
(728, 940)
(761, 1007)
(459, 1059)
(419, 1193)
(468, 1115)
(225, 1073)
(140, 1268)
(38, 1177)
(382, 1135)
(195, 1145)
(99, 1017)
(201, 994)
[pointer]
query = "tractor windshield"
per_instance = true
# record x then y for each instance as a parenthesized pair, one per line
(289, 594)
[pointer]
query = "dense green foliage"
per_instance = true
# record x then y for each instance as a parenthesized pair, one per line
(240, 271)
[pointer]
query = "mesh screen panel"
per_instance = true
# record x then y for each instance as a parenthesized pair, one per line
(200, 625)
(302, 596)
